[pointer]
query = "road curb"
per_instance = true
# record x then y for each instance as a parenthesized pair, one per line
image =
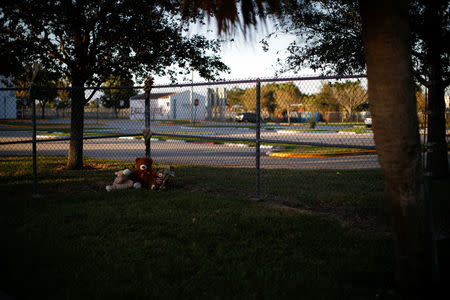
(314, 155)
(203, 143)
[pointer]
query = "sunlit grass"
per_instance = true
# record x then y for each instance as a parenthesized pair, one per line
(9, 125)
(316, 149)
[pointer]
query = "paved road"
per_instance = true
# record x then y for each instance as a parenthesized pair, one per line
(202, 154)
(190, 153)
(327, 134)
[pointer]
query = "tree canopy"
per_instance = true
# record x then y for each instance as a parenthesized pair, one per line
(348, 94)
(93, 39)
(329, 37)
(87, 41)
(284, 98)
(117, 98)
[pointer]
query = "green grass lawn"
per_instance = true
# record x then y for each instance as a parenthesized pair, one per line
(225, 126)
(355, 130)
(203, 238)
(320, 123)
(343, 123)
(315, 149)
(66, 133)
(178, 122)
(7, 125)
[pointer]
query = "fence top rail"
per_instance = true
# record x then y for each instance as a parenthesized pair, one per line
(211, 83)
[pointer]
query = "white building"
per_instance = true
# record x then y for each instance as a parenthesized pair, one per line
(216, 104)
(8, 105)
(165, 106)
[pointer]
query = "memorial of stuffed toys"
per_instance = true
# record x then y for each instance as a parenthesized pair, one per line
(143, 177)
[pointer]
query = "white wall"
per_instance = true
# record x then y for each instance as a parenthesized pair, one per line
(216, 104)
(137, 108)
(176, 106)
(8, 102)
(180, 107)
(159, 109)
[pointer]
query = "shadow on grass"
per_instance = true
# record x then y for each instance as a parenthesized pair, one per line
(202, 238)
(355, 197)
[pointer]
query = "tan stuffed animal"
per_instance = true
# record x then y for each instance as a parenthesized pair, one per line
(121, 182)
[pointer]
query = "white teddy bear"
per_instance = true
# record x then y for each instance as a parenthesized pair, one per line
(121, 182)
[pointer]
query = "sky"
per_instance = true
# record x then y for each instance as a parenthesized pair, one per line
(245, 56)
(247, 59)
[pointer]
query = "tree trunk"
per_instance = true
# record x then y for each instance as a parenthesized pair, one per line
(75, 157)
(437, 158)
(43, 110)
(395, 123)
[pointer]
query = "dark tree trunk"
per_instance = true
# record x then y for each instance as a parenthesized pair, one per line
(75, 157)
(395, 122)
(43, 110)
(437, 158)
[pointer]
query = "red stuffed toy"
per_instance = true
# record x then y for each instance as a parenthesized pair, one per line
(143, 176)
(160, 178)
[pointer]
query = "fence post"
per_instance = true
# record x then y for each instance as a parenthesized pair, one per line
(147, 132)
(258, 137)
(31, 90)
(34, 148)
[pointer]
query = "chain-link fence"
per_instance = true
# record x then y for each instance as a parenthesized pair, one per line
(294, 123)
(280, 136)
(320, 123)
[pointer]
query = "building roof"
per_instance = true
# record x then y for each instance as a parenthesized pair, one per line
(153, 96)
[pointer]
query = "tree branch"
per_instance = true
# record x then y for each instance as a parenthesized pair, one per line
(420, 79)
(91, 95)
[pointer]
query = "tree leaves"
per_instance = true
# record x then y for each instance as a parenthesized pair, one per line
(91, 40)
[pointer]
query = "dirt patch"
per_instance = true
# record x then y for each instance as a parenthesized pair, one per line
(347, 217)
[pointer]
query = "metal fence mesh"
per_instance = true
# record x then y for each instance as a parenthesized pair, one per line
(315, 124)
(261, 131)
(298, 117)
(305, 123)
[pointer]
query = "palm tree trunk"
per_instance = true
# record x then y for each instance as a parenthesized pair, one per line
(393, 109)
